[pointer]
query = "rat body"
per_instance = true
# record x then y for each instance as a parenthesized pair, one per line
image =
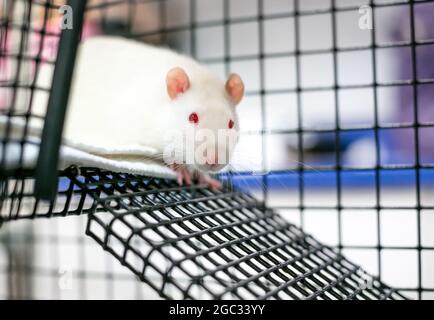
(128, 93)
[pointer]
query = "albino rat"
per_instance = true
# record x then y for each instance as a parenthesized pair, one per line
(128, 93)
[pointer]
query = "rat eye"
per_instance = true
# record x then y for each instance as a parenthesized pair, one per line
(231, 124)
(193, 117)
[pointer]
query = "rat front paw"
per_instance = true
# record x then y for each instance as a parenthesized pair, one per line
(214, 184)
(184, 175)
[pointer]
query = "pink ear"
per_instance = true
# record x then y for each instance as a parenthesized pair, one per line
(177, 82)
(235, 88)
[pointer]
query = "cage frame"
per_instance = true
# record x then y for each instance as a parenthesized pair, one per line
(84, 192)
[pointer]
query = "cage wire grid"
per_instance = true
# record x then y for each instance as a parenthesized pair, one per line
(224, 244)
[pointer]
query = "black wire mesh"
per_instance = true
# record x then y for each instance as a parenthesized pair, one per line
(239, 247)
(197, 244)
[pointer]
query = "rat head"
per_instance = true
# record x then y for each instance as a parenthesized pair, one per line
(204, 110)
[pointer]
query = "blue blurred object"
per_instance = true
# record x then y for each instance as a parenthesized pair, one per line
(328, 179)
(403, 142)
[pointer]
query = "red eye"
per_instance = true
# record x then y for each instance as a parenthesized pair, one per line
(193, 118)
(231, 124)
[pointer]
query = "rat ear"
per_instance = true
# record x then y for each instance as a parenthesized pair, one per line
(235, 88)
(177, 82)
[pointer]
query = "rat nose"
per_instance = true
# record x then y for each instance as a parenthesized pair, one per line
(212, 159)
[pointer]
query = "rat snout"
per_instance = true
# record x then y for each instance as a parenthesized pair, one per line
(214, 154)
(212, 159)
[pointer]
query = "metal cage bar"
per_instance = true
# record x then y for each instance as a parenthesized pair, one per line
(46, 169)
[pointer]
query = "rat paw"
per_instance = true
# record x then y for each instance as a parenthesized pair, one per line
(214, 184)
(183, 174)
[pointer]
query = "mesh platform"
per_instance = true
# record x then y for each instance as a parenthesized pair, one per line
(193, 243)
(222, 245)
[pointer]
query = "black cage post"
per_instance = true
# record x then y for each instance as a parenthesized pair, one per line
(46, 171)
(191, 242)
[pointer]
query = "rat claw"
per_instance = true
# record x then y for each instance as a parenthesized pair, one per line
(187, 177)
(179, 174)
(183, 175)
(179, 178)
(214, 184)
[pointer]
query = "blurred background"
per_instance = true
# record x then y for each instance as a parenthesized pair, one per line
(336, 136)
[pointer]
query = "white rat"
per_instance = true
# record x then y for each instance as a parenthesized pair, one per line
(128, 93)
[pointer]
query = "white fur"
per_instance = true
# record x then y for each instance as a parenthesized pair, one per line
(119, 97)
(121, 159)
